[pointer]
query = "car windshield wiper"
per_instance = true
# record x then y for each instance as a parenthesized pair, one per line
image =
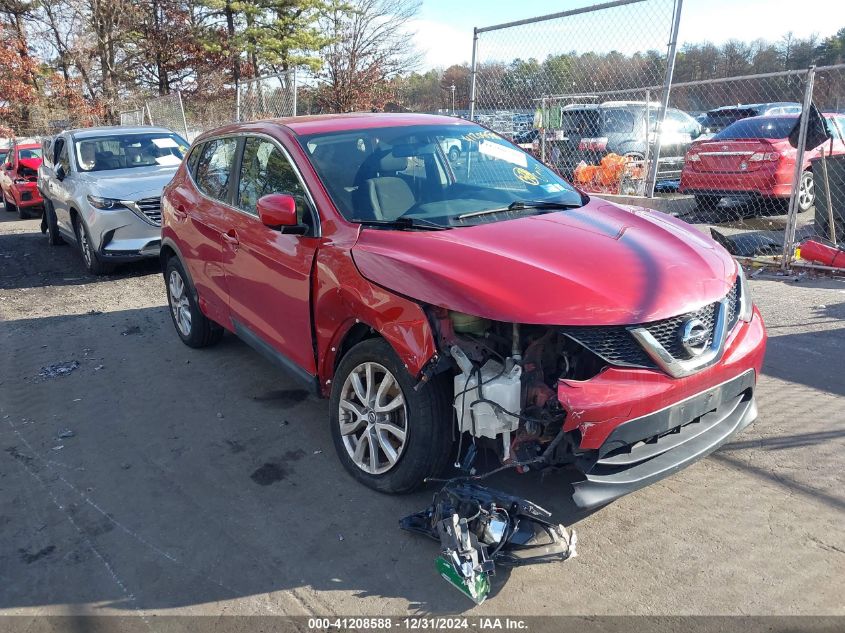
(403, 223)
(522, 205)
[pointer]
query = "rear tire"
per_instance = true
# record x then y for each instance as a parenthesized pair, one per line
(454, 154)
(193, 327)
(806, 192)
(423, 420)
(93, 263)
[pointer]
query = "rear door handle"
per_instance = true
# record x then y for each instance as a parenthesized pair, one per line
(231, 238)
(180, 213)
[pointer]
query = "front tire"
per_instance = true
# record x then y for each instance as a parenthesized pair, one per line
(54, 238)
(10, 206)
(193, 327)
(454, 154)
(93, 263)
(387, 435)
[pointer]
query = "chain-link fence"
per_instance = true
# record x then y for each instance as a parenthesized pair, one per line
(168, 111)
(590, 92)
(267, 97)
(132, 117)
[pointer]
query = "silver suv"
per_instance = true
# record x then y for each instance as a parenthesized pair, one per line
(102, 190)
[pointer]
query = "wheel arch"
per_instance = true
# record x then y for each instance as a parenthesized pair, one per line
(346, 314)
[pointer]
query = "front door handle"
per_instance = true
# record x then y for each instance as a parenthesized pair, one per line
(231, 238)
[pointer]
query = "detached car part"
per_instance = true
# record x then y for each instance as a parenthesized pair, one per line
(479, 527)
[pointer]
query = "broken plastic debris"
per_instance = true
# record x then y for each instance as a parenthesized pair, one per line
(317, 452)
(58, 369)
(66, 433)
(480, 527)
(59, 447)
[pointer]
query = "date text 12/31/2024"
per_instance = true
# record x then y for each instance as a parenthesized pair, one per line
(418, 623)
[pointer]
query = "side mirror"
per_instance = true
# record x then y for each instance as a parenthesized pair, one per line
(278, 211)
(60, 173)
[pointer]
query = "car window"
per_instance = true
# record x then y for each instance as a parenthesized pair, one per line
(47, 151)
(63, 158)
(580, 122)
(758, 127)
(403, 172)
(29, 153)
(618, 121)
(264, 170)
(131, 150)
(193, 158)
(214, 167)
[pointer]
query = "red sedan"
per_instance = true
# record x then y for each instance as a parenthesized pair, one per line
(485, 300)
(18, 178)
(753, 158)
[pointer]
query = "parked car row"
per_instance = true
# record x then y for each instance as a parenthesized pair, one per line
(421, 295)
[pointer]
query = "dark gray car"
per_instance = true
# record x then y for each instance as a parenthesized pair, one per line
(588, 132)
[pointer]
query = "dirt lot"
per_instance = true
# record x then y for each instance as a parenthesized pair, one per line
(205, 481)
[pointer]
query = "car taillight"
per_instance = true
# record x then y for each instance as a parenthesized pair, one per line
(764, 157)
(593, 144)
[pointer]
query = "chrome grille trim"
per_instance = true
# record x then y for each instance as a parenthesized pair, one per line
(148, 209)
(657, 344)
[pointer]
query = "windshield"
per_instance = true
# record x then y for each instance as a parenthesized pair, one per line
(758, 127)
(126, 151)
(449, 175)
(29, 152)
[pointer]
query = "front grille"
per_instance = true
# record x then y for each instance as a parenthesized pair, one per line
(151, 208)
(612, 343)
(668, 331)
(617, 346)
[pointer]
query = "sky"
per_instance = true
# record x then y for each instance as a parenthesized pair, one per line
(443, 29)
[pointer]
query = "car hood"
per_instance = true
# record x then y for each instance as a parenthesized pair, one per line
(601, 264)
(128, 184)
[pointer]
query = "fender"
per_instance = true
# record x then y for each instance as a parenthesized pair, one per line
(343, 298)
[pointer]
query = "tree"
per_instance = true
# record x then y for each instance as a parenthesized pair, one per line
(370, 45)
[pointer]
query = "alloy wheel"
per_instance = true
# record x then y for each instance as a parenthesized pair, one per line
(85, 246)
(179, 304)
(373, 418)
(806, 191)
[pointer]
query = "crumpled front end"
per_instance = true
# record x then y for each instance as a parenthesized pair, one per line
(624, 404)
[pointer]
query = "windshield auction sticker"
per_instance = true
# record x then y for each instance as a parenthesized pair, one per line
(529, 178)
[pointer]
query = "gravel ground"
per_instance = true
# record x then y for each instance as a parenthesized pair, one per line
(153, 478)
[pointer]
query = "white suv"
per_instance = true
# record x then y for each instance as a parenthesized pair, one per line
(102, 191)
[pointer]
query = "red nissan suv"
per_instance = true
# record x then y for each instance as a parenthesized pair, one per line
(426, 294)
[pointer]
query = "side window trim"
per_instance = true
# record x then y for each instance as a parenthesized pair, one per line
(309, 199)
(312, 206)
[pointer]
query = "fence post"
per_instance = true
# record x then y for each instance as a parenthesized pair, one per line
(664, 102)
(295, 90)
(792, 217)
(237, 102)
(473, 73)
(184, 119)
(150, 114)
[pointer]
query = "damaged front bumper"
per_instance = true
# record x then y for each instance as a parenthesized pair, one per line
(644, 450)
(638, 426)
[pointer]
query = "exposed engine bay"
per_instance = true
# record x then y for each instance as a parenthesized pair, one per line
(505, 378)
